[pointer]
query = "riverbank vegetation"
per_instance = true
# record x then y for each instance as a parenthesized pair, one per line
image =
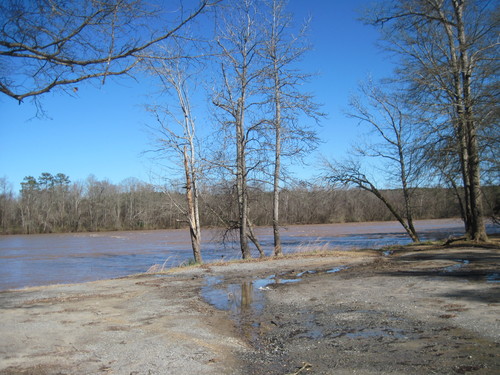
(53, 204)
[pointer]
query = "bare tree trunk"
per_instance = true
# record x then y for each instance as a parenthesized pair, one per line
(464, 165)
(407, 225)
(406, 192)
(254, 239)
(475, 227)
(241, 188)
(278, 251)
(277, 17)
(459, 125)
(181, 140)
(477, 231)
(283, 48)
(193, 219)
(349, 173)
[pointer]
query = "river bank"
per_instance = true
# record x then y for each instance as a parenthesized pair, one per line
(426, 310)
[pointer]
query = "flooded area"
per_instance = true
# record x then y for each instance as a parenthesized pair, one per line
(77, 257)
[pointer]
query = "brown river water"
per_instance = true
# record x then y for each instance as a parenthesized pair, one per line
(78, 257)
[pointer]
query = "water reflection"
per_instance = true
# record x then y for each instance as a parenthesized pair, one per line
(460, 264)
(337, 269)
(493, 278)
(246, 300)
(238, 299)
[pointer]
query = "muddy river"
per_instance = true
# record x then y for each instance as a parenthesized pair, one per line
(77, 257)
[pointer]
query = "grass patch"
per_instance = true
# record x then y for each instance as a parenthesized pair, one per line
(189, 263)
(159, 268)
(314, 249)
(302, 253)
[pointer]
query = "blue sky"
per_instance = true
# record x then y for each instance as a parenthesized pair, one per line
(102, 130)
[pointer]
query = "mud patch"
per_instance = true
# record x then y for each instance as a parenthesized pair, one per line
(391, 317)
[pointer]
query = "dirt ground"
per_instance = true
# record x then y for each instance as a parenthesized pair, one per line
(432, 310)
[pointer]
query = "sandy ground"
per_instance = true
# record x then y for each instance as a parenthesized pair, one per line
(427, 311)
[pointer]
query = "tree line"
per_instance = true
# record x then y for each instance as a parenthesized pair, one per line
(54, 204)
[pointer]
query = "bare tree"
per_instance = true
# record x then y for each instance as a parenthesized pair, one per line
(177, 133)
(7, 207)
(29, 191)
(449, 60)
(391, 142)
(238, 41)
(46, 44)
(282, 50)
(350, 173)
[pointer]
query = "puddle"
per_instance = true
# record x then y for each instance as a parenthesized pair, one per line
(374, 333)
(493, 278)
(236, 298)
(277, 280)
(310, 272)
(249, 294)
(460, 263)
(337, 269)
(312, 328)
(262, 284)
(388, 253)
(245, 301)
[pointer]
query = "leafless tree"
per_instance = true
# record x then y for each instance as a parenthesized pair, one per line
(449, 61)
(177, 132)
(391, 143)
(45, 44)
(282, 50)
(7, 205)
(238, 40)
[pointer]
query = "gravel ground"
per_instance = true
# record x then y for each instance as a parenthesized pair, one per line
(424, 311)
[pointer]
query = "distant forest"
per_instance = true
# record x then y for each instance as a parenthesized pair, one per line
(54, 204)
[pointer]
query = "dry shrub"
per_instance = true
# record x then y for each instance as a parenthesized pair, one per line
(157, 268)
